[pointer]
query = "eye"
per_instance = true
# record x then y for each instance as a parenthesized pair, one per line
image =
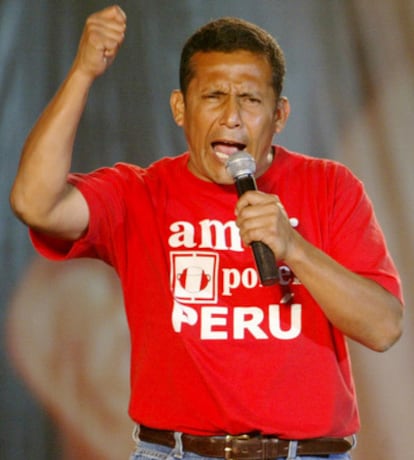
(250, 99)
(213, 95)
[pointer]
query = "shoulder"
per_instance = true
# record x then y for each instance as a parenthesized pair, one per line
(160, 168)
(320, 168)
(128, 174)
(168, 165)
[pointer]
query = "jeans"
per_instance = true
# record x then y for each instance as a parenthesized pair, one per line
(149, 451)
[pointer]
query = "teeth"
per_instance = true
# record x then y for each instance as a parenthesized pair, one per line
(221, 155)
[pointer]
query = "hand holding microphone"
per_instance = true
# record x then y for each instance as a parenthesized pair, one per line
(241, 167)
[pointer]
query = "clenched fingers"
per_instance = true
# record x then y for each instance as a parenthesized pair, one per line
(102, 37)
(262, 217)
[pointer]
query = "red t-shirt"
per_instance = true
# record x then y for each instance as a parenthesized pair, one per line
(214, 352)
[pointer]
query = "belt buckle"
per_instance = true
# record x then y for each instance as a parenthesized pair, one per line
(228, 448)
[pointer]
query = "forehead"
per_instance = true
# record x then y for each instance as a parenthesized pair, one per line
(237, 66)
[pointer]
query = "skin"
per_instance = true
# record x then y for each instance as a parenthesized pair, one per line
(229, 105)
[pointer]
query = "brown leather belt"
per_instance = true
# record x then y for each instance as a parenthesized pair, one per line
(245, 446)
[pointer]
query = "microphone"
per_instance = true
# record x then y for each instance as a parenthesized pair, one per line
(241, 167)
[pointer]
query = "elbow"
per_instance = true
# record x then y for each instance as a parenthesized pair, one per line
(24, 207)
(17, 204)
(386, 342)
(391, 331)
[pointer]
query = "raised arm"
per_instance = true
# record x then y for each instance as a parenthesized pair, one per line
(41, 196)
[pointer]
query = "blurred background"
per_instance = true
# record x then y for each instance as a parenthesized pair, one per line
(64, 344)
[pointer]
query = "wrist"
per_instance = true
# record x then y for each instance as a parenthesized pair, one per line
(80, 77)
(296, 250)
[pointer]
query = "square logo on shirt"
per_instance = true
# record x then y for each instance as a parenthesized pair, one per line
(194, 276)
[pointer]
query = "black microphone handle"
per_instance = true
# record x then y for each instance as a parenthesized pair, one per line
(263, 255)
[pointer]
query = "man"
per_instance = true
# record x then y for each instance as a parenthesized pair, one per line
(221, 366)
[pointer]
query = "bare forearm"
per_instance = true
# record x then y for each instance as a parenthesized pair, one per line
(358, 306)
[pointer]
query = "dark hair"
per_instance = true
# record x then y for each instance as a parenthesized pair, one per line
(230, 34)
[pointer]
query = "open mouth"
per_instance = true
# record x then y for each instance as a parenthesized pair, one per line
(223, 149)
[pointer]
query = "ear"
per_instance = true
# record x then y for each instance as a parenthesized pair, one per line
(177, 106)
(281, 114)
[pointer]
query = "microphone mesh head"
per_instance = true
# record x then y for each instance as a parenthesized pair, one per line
(240, 164)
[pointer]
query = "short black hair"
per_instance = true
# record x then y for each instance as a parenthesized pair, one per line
(230, 34)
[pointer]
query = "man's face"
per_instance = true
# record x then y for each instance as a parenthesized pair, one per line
(230, 105)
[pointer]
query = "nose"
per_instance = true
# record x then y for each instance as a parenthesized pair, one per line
(231, 116)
